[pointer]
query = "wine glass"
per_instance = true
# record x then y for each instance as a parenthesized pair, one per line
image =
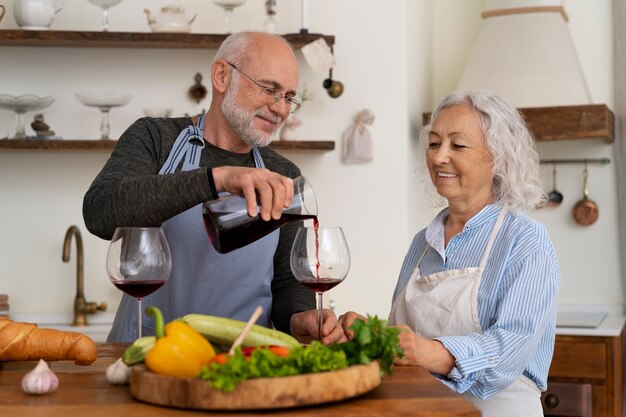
(228, 6)
(139, 262)
(105, 5)
(320, 259)
(105, 102)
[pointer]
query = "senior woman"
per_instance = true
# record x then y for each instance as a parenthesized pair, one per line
(477, 290)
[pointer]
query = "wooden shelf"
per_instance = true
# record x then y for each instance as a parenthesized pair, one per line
(27, 145)
(53, 38)
(61, 38)
(591, 121)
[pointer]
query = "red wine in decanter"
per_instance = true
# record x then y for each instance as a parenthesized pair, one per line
(224, 240)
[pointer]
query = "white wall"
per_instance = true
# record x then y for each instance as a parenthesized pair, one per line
(396, 59)
(42, 192)
(588, 256)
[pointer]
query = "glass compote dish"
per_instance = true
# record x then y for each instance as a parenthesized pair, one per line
(228, 6)
(320, 260)
(105, 102)
(139, 262)
(21, 105)
(105, 5)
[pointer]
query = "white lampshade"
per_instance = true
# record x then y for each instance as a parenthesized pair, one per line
(524, 52)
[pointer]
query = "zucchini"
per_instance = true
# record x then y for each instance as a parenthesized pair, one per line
(136, 353)
(223, 331)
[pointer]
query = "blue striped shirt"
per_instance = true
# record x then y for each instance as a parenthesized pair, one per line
(516, 299)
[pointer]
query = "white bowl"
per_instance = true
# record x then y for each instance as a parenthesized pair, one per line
(104, 99)
(157, 111)
(24, 103)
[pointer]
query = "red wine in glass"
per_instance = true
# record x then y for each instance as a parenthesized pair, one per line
(320, 260)
(139, 262)
(321, 284)
(139, 289)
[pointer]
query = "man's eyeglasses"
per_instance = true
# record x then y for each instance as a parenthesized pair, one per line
(294, 105)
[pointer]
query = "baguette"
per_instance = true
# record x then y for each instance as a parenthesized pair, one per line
(20, 341)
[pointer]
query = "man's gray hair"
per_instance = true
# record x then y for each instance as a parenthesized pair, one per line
(235, 47)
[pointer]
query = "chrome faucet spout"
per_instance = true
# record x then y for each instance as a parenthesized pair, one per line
(81, 306)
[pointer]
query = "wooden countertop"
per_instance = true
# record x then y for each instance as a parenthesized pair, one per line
(85, 392)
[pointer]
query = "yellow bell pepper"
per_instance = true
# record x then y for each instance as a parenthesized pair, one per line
(179, 350)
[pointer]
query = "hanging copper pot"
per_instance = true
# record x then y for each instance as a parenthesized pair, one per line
(586, 211)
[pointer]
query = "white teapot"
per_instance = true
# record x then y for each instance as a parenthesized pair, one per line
(36, 14)
(171, 18)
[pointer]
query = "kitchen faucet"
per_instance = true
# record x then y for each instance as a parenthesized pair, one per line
(81, 306)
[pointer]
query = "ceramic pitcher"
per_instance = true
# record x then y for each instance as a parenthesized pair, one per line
(36, 14)
(1, 12)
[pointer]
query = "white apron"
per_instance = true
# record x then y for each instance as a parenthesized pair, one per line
(446, 304)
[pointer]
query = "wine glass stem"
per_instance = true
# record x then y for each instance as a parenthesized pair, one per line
(320, 314)
(105, 128)
(20, 133)
(139, 318)
(228, 12)
(105, 20)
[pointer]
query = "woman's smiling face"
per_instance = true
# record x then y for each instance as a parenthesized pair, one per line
(458, 159)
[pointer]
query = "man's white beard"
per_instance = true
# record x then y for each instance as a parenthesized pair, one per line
(242, 122)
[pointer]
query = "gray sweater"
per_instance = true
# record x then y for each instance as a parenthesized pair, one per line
(130, 192)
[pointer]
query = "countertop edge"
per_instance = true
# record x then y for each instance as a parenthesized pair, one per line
(612, 325)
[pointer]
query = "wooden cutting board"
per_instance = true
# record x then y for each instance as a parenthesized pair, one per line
(254, 394)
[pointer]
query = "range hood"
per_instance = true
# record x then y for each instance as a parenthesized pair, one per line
(524, 52)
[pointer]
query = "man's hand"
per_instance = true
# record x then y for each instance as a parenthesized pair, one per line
(346, 320)
(304, 327)
(273, 191)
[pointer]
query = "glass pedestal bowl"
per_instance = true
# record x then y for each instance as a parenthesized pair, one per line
(228, 6)
(105, 102)
(105, 5)
(21, 105)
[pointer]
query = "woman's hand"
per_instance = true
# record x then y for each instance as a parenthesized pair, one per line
(429, 354)
(304, 327)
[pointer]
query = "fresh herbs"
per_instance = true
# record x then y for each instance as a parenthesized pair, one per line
(262, 363)
(372, 340)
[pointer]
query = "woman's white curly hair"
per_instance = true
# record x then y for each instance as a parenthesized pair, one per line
(516, 180)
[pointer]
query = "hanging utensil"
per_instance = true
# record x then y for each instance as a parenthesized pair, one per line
(586, 211)
(555, 198)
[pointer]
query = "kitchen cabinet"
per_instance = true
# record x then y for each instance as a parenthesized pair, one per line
(49, 38)
(590, 121)
(589, 360)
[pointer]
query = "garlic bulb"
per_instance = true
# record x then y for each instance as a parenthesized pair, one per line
(118, 373)
(41, 380)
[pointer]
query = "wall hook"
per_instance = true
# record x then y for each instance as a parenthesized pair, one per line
(197, 91)
(333, 87)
